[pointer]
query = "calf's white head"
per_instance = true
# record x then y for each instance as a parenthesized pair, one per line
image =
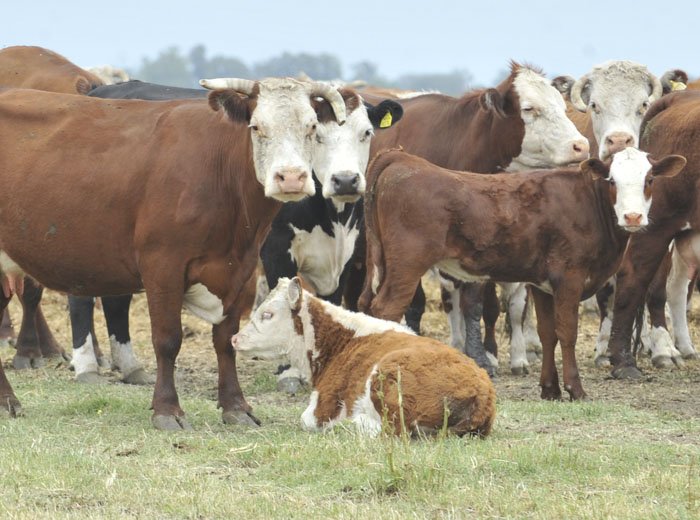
(283, 125)
(630, 175)
(341, 152)
(617, 94)
(550, 139)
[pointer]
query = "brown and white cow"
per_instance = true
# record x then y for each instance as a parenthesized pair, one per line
(672, 123)
(174, 198)
(563, 230)
(520, 124)
(371, 371)
(42, 69)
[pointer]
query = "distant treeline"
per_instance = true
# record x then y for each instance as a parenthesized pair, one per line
(172, 67)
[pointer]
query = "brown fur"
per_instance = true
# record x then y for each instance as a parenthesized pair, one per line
(554, 227)
(42, 69)
(325, 111)
(671, 125)
(433, 377)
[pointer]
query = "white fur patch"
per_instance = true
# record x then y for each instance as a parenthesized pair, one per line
(84, 360)
(123, 357)
(364, 414)
(308, 419)
(203, 304)
(454, 269)
(629, 169)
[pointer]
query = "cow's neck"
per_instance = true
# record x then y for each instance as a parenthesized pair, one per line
(607, 219)
(328, 329)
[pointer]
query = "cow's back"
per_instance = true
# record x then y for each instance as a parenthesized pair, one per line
(42, 69)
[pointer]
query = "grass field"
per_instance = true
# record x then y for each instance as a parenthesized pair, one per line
(90, 452)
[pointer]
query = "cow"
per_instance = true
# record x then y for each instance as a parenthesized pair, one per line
(607, 105)
(174, 198)
(670, 124)
(377, 373)
(521, 124)
(42, 69)
(564, 231)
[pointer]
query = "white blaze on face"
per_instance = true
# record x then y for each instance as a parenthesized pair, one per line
(343, 151)
(551, 139)
(618, 96)
(283, 127)
(628, 172)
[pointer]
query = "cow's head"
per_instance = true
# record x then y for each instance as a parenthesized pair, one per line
(617, 94)
(630, 175)
(283, 126)
(275, 328)
(341, 152)
(550, 138)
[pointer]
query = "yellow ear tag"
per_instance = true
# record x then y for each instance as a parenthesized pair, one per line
(386, 121)
(677, 85)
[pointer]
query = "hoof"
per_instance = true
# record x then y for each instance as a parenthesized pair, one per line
(171, 423)
(519, 371)
(139, 377)
(602, 361)
(11, 407)
(662, 362)
(692, 355)
(91, 378)
(627, 372)
(578, 396)
(7, 342)
(23, 363)
(491, 371)
(289, 385)
(551, 393)
(678, 361)
(533, 357)
(240, 417)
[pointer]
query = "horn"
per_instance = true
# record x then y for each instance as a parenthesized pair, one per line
(244, 86)
(332, 95)
(656, 88)
(575, 94)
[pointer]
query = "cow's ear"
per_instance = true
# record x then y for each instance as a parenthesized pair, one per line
(238, 106)
(491, 99)
(595, 168)
(294, 293)
(668, 166)
(385, 114)
(563, 84)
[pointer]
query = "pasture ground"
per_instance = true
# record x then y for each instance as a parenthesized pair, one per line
(633, 450)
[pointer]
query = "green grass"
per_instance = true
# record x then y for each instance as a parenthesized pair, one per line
(90, 452)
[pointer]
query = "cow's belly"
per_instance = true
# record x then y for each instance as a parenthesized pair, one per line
(688, 246)
(454, 269)
(321, 258)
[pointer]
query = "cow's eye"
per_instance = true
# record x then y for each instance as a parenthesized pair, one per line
(368, 134)
(650, 180)
(267, 315)
(594, 107)
(612, 182)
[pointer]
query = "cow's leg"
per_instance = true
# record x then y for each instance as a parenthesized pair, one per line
(7, 331)
(116, 309)
(471, 303)
(84, 361)
(515, 296)
(9, 403)
(679, 281)
(605, 298)
(566, 300)
(549, 379)
(533, 346)
(165, 298)
(450, 295)
(235, 409)
(416, 309)
(47, 342)
(491, 311)
(28, 353)
(396, 290)
(663, 352)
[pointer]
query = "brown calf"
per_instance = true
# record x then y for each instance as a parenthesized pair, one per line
(564, 231)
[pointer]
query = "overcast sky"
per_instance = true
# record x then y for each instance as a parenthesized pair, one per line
(562, 37)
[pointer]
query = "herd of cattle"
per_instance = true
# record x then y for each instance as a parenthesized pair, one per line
(182, 193)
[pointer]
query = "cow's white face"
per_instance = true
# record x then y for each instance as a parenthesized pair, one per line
(271, 331)
(617, 94)
(551, 139)
(283, 130)
(341, 154)
(630, 175)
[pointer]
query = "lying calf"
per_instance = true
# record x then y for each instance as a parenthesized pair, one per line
(564, 231)
(366, 369)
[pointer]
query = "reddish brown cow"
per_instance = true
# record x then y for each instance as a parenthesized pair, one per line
(113, 197)
(672, 123)
(42, 69)
(564, 231)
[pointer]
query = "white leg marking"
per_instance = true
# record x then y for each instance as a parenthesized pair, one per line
(84, 359)
(677, 292)
(123, 357)
(456, 320)
(308, 419)
(516, 298)
(366, 418)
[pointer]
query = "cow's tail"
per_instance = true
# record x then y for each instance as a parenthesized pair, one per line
(638, 325)
(375, 254)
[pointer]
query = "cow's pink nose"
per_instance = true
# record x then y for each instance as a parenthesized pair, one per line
(618, 141)
(633, 219)
(292, 180)
(581, 149)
